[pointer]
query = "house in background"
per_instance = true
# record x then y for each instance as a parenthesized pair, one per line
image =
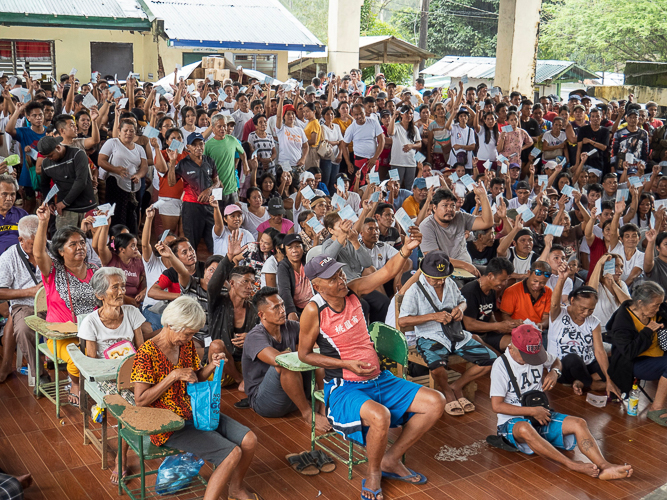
(148, 37)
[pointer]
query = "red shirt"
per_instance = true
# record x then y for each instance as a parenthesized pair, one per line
(550, 116)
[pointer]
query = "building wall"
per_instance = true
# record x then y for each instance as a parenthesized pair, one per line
(72, 50)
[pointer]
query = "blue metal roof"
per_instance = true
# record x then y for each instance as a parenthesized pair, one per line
(251, 24)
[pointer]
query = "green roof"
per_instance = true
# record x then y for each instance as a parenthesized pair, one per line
(109, 14)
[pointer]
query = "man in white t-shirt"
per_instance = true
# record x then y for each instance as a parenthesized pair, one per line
(368, 139)
(539, 429)
(241, 115)
(555, 256)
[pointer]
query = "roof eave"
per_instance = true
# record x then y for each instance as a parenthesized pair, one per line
(53, 21)
(219, 44)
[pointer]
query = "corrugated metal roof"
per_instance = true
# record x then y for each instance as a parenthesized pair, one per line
(250, 22)
(85, 8)
(485, 68)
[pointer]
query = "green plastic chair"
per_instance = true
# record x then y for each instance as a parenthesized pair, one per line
(390, 343)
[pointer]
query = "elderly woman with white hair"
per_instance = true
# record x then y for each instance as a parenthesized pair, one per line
(112, 328)
(163, 367)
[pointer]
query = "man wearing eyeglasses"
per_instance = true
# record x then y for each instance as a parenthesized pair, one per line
(530, 298)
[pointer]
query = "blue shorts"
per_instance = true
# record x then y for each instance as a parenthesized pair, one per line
(552, 432)
(344, 399)
(436, 355)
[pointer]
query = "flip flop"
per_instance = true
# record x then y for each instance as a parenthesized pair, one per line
(303, 463)
(73, 400)
(467, 405)
(374, 493)
(655, 416)
(454, 405)
(323, 461)
(125, 471)
(406, 479)
(501, 443)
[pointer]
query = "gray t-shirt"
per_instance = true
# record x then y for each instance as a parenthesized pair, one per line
(659, 272)
(256, 341)
(450, 239)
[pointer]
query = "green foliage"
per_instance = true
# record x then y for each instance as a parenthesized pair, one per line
(603, 34)
(313, 14)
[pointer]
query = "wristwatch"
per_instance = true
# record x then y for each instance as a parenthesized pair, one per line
(558, 372)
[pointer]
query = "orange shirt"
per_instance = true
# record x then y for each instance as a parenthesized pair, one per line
(167, 191)
(518, 303)
(411, 206)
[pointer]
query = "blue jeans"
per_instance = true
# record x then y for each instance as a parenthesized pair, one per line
(153, 318)
(329, 173)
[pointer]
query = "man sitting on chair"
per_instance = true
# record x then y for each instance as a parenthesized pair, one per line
(354, 382)
(434, 307)
(273, 391)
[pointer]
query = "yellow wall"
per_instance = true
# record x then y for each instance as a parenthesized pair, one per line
(72, 49)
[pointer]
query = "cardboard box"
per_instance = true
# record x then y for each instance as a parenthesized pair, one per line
(213, 62)
(198, 73)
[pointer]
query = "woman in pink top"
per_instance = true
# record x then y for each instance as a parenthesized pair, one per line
(67, 284)
(510, 144)
(276, 219)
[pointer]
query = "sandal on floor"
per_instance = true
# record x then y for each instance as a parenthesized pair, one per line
(323, 461)
(501, 443)
(125, 471)
(73, 399)
(303, 463)
(406, 479)
(451, 409)
(374, 493)
(655, 416)
(467, 406)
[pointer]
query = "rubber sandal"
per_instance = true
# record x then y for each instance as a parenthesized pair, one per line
(374, 493)
(406, 479)
(242, 404)
(323, 461)
(303, 463)
(655, 416)
(501, 443)
(467, 405)
(121, 477)
(450, 407)
(73, 400)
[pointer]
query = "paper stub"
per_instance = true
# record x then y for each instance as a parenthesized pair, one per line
(567, 190)
(404, 220)
(598, 205)
(464, 79)
(454, 177)
(308, 192)
(622, 194)
(508, 128)
(595, 400)
(33, 154)
(487, 164)
(52, 192)
(374, 178)
(394, 175)
(542, 180)
(433, 181)
(338, 201)
(537, 160)
(217, 193)
(375, 197)
(610, 267)
(122, 103)
(315, 225)
(535, 152)
(419, 157)
(630, 158)
(179, 66)
(177, 146)
(501, 158)
(557, 231)
(592, 152)
(164, 235)
(635, 180)
(347, 213)
(73, 72)
(503, 168)
(100, 220)
(207, 100)
(89, 101)
(150, 132)
(286, 167)
(468, 182)
(340, 184)
(115, 90)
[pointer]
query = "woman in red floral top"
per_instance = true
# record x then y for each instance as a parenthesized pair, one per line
(162, 368)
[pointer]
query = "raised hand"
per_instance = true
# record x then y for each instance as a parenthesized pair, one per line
(234, 244)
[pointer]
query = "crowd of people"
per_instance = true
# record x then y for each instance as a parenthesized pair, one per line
(234, 221)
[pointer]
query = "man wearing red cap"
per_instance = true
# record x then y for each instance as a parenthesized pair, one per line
(362, 401)
(538, 429)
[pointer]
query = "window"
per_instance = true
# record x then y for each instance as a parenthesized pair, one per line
(19, 55)
(266, 63)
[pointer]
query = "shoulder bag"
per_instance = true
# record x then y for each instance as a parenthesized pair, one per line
(530, 398)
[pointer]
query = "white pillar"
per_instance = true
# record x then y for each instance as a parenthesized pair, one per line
(516, 51)
(415, 73)
(344, 28)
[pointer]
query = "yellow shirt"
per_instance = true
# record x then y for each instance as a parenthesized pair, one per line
(314, 126)
(654, 351)
(411, 206)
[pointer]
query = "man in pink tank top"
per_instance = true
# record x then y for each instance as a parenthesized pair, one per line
(362, 401)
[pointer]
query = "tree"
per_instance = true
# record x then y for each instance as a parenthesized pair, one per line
(603, 34)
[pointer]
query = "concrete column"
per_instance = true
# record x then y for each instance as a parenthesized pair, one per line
(415, 72)
(516, 51)
(344, 28)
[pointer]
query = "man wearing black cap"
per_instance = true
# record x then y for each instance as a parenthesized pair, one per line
(200, 177)
(334, 319)
(434, 308)
(538, 429)
(521, 255)
(68, 168)
(575, 337)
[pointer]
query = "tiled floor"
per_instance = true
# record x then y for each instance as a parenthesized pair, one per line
(33, 440)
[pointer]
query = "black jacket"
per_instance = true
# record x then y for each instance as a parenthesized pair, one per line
(221, 309)
(72, 176)
(627, 344)
(286, 282)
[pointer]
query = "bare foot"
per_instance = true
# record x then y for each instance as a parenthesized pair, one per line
(242, 386)
(240, 493)
(585, 468)
(25, 480)
(321, 422)
(578, 387)
(4, 374)
(616, 472)
(399, 468)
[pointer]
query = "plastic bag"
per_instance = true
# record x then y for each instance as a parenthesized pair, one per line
(177, 472)
(205, 401)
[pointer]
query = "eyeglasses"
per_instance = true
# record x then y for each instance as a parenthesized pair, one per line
(539, 272)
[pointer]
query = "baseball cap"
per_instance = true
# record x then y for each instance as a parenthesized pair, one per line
(391, 84)
(528, 340)
(276, 207)
(436, 265)
(310, 90)
(291, 238)
(194, 136)
(321, 266)
(47, 144)
(551, 191)
(382, 95)
(419, 183)
(230, 209)
(632, 112)
(522, 185)
(385, 112)
(632, 170)
(515, 165)
(575, 97)
(307, 176)
(230, 119)
(287, 108)
(550, 165)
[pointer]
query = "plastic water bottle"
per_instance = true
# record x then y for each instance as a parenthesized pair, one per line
(23, 370)
(97, 413)
(633, 401)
